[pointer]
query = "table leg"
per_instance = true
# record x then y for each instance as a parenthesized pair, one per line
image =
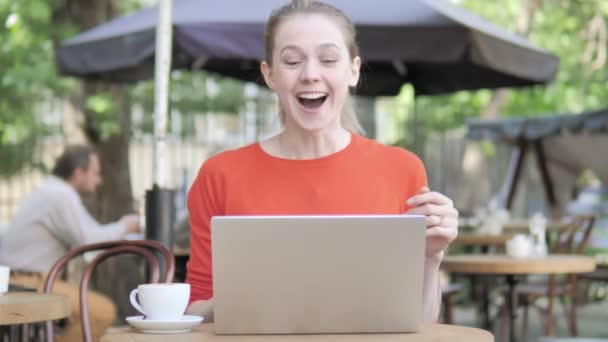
(25, 329)
(484, 295)
(14, 335)
(485, 304)
(480, 295)
(512, 306)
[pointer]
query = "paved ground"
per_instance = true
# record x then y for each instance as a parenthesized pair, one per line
(592, 319)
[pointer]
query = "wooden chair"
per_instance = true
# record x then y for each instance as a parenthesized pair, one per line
(447, 293)
(150, 250)
(572, 237)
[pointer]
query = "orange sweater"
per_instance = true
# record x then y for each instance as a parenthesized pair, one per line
(364, 178)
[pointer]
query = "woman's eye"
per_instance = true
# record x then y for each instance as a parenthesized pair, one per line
(329, 61)
(292, 62)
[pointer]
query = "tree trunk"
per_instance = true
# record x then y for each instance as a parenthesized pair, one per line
(115, 277)
(524, 25)
(114, 197)
(497, 101)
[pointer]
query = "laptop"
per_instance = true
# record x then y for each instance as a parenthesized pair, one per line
(317, 274)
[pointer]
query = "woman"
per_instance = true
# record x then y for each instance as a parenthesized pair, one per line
(318, 164)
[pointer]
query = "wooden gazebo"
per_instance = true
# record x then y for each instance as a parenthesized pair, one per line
(562, 144)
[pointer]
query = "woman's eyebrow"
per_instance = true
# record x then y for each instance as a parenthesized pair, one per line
(321, 47)
(332, 46)
(290, 47)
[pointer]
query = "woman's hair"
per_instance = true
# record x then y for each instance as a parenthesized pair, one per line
(72, 158)
(294, 7)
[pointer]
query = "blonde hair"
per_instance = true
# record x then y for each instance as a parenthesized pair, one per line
(349, 112)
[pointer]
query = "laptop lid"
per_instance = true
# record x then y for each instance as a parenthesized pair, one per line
(317, 274)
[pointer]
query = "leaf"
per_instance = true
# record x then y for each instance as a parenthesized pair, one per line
(39, 10)
(99, 104)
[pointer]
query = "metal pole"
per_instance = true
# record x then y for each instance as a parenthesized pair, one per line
(541, 160)
(164, 35)
(160, 202)
(513, 173)
(415, 127)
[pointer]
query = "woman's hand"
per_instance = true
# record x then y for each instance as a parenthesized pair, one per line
(202, 308)
(441, 220)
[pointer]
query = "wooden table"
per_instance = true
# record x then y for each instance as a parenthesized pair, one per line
(29, 307)
(471, 239)
(523, 226)
(511, 267)
(431, 332)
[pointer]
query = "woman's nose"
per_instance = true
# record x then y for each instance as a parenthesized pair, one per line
(310, 72)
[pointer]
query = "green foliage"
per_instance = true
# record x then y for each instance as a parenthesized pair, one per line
(104, 107)
(560, 27)
(100, 104)
(192, 93)
(488, 148)
(129, 6)
(27, 76)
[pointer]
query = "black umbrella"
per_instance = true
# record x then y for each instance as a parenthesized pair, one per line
(435, 46)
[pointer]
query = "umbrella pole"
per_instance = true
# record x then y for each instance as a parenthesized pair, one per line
(161, 89)
(160, 206)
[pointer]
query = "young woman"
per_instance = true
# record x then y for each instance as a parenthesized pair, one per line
(318, 164)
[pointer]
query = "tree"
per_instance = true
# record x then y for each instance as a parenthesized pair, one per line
(524, 25)
(27, 77)
(570, 29)
(105, 110)
(574, 30)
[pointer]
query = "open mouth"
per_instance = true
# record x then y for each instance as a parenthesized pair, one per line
(312, 100)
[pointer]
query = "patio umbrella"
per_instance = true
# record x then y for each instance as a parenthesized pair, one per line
(435, 46)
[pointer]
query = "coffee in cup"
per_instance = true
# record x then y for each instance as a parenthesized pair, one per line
(165, 302)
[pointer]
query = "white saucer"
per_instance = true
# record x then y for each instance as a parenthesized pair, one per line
(184, 325)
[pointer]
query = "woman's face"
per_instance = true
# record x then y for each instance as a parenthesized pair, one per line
(311, 71)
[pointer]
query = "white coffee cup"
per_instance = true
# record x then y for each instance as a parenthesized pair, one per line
(165, 302)
(5, 272)
(520, 246)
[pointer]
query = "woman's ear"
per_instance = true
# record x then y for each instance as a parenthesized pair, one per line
(267, 73)
(355, 71)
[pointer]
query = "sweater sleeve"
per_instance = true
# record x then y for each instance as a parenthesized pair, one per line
(420, 177)
(416, 177)
(76, 227)
(204, 202)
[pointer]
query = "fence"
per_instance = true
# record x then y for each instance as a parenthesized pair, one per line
(213, 132)
(457, 167)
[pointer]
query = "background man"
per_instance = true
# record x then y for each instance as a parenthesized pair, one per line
(51, 221)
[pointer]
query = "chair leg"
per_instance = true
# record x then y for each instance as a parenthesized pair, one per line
(550, 321)
(565, 310)
(503, 323)
(524, 329)
(572, 321)
(447, 310)
(25, 329)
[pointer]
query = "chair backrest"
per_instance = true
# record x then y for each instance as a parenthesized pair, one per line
(573, 235)
(570, 237)
(150, 250)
